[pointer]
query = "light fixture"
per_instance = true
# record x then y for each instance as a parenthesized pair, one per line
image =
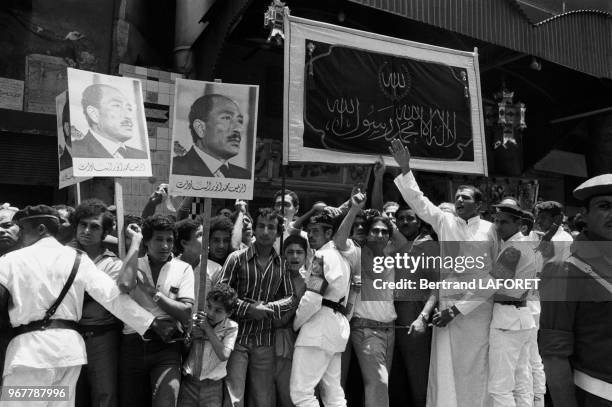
(273, 20)
(535, 64)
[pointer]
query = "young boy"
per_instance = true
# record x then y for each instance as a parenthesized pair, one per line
(214, 337)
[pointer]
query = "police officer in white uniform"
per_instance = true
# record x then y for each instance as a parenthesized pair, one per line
(47, 349)
(512, 324)
(320, 317)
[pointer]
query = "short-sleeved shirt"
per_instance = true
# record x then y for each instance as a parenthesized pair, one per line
(93, 312)
(175, 281)
(35, 276)
(212, 368)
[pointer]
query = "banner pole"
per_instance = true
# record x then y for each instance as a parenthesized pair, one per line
(203, 275)
(119, 206)
(78, 192)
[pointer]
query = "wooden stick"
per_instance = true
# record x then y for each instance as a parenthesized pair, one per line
(78, 192)
(119, 206)
(203, 275)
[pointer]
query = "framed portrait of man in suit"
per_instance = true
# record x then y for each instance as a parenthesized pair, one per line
(213, 139)
(64, 142)
(110, 133)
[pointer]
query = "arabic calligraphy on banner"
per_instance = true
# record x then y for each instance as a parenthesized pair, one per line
(205, 186)
(348, 93)
(102, 167)
(358, 101)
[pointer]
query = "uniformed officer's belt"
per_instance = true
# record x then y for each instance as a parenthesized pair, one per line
(517, 304)
(357, 322)
(336, 306)
(42, 325)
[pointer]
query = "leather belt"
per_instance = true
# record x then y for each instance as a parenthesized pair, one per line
(517, 304)
(336, 306)
(42, 325)
(358, 322)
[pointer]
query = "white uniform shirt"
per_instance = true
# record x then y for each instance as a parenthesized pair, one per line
(35, 276)
(175, 281)
(321, 327)
(508, 316)
(451, 228)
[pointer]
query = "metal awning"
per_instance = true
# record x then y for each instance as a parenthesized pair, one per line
(579, 39)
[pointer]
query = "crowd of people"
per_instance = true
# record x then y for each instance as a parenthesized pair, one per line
(293, 300)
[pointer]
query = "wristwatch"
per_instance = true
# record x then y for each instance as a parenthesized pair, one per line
(157, 296)
(424, 317)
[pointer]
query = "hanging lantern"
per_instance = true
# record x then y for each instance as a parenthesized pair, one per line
(510, 116)
(273, 20)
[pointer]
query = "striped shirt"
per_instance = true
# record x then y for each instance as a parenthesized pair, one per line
(253, 283)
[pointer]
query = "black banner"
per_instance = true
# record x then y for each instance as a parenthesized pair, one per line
(357, 101)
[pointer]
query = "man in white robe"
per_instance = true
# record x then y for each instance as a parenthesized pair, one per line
(459, 356)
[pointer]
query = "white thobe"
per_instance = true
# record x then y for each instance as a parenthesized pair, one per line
(459, 358)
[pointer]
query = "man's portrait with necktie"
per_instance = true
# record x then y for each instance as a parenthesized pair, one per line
(113, 125)
(217, 128)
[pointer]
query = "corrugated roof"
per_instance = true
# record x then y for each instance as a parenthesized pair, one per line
(580, 39)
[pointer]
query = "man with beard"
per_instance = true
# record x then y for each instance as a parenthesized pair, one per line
(575, 323)
(216, 124)
(458, 365)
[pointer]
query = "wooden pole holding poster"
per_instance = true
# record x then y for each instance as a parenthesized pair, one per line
(78, 192)
(203, 277)
(119, 206)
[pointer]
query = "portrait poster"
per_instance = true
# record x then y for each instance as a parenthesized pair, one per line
(110, 131)
(64, 144)
(348, 93)
(213, 139)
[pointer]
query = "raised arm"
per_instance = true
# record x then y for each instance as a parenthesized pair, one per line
(238, 225)
(342, 234)
(155, 199)
(127, 278)
(185, 209)
(377, 190)
(297, 224)
(410, 190)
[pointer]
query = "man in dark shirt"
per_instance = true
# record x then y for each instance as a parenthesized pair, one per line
(265, 293)
(575, 324)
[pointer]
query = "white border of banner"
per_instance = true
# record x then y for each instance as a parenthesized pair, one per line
(298, 29)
